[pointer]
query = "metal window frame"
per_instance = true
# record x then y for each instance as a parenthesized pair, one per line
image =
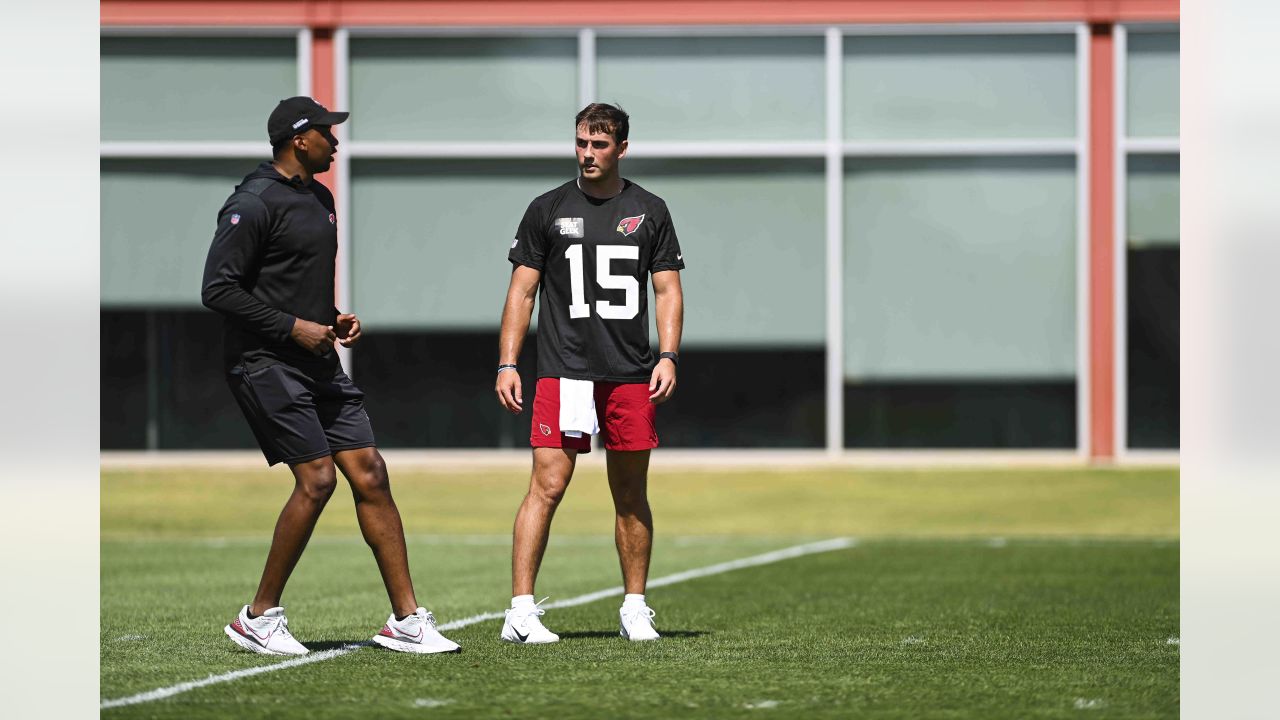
(835, 154)
(1084, 366)
(342, 172)
(1124, 147)
(833, 148)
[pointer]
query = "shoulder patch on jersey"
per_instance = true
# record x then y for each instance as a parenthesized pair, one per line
(569, 227)
(235, 218)
(629, 225)
(514, 243)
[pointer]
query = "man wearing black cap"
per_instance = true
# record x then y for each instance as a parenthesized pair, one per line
(270, 273)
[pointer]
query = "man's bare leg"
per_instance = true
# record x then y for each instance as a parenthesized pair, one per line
(552, 470)
(633, 528)
(313, 485)
(380, 523)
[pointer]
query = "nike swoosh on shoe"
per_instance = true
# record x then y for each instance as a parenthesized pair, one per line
(388, 632)
(235, 625)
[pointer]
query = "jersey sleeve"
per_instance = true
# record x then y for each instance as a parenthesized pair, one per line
(244, 227)
(530, 245)
(666, 247)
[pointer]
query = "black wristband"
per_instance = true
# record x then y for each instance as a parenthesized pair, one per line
(504, 366)
(674, 358)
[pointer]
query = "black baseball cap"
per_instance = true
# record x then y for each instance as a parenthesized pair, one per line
(296, 114)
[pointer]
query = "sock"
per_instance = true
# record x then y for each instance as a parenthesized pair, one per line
(519, 600)
(400, 618)
(249, 613)
(633, 599)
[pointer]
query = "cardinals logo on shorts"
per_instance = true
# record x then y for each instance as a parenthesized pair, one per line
(545, 430)
(630, 224)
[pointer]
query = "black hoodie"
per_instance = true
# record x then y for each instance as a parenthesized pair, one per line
(272, 260)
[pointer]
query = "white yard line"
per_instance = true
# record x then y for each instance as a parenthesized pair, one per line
(161, 693)
(753, 561)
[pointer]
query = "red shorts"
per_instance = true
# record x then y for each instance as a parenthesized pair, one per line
(623, 411)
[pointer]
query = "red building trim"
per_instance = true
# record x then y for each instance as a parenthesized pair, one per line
(336, 13)
(323, 68)
(324, 89)
(1102, 260)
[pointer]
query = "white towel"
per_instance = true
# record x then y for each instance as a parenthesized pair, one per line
(578, 407)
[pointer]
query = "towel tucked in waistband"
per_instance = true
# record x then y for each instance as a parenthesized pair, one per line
(578, 408)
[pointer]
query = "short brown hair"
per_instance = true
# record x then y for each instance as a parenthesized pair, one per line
(605, 118)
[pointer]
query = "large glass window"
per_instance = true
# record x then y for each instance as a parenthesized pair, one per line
(959, 302)
(960, 271)
(957, 87)
(960, 268)
(438, 88)
(1151, 90)
(200, 89)
(158, 218)
(1151, 279)
(1151, 238)
(430, 237)
(753, 237)
(716, 88)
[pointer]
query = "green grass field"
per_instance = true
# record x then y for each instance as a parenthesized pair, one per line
(997, 593)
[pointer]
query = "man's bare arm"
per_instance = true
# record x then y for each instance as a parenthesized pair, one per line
(516, 314)
(669, 297)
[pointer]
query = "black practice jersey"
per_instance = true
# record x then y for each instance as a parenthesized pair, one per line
(595, 257)
(272, 260)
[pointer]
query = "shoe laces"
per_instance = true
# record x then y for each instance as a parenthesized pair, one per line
(635, 613)
(409, 620)
(283, 627)
(529, 616)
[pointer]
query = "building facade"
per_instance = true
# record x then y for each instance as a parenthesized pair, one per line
(915, 224)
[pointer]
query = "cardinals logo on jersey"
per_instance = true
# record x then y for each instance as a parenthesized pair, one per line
(630, 224)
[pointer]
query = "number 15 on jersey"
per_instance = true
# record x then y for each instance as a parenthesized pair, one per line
(605, 254)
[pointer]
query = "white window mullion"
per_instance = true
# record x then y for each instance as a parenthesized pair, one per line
(1084, 211)
(1120, 358)
(304, 62)
(835, 242)
(342, 171)
(586, 67)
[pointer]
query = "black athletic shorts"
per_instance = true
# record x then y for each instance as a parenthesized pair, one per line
(298, 417)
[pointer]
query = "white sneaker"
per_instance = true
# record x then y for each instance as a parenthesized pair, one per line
(415, 634)
(523, 626)
(636, 622)
(267, 634)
